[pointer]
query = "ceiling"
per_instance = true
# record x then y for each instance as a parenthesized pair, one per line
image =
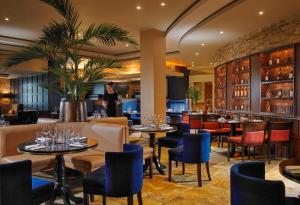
(192, 26)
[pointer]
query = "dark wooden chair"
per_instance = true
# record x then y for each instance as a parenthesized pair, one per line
(253, 136)
(279, 133)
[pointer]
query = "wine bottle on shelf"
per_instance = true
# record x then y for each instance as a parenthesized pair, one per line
(280, 75)
(267, 76)
(277, 60)
(243, 68)
(242, 81)
(268, 106)
(268, 93)
(291, 74)
(291, 93)
(246, 92)
(238, 92)
(242, 92)
(279, 93)
(242, 106)
(270, 62)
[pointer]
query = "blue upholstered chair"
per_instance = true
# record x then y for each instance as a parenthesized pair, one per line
(173, 139)
(248, 186)
(195, 150)
(19, 188)
(122, 176)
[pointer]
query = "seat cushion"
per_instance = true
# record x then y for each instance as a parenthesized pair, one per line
(170, 141)
(95, 182)
(85, 162)
(280, 135)
(211, 131)
(223, 131)
(176, 153)
(42, 190)
(292, 201)
(235, 139)
(39, 162)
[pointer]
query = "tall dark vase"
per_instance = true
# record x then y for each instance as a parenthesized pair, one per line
(73, 111)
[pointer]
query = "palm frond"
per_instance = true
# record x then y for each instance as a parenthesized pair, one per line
(65, 8)
(108, 34)
(29, 53)
(102, 62)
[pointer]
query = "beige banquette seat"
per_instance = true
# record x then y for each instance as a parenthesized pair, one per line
(111, 137)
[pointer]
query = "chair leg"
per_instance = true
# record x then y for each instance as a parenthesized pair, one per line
(222, 141)
(92, 197)
(85, 199)
(183, 168)
(176, 163)
(219, 139)
(269, 153)
(228, 151)
(264, 152)
(170, 170)
(103, 200)
(159, 152)
(130, 200)
(254, 151)
(140, 199)
(207, 170)
(199, 175)
(243, 152)
(151, 167)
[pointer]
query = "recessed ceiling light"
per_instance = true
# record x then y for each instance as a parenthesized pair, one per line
(196, 53)
(6, 19)
(126, 44)
(138, 7)
(162, 3)
(211, 63)
(221, 32)
(202, 44)
(261, 13)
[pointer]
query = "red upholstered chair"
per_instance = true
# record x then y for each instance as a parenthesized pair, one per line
(279, 133)
(195, 122)
(215, 129)
(253, 135)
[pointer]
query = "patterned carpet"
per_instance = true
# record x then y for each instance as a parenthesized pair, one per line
(184, 190)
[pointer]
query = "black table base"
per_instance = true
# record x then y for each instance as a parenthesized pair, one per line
(61, 188)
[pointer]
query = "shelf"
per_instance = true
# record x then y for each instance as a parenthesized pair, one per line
(240, 98)
(281, 98)
(277, 81)
(240, 85)
(277, 65)
(241, 72)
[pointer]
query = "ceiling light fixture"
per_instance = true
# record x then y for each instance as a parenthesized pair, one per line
(6, 19)
(261, 13)
(126, 44)
(221, 32)
(196, 53)
(202, 44)
(162, 3)
(138, 7)
(211, 63)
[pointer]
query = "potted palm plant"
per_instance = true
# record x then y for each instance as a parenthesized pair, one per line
(194, 96)
(61, 43)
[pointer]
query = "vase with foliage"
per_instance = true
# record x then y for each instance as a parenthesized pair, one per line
(194, 96)
(61, 43)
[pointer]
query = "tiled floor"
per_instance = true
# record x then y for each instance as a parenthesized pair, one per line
(184, 190)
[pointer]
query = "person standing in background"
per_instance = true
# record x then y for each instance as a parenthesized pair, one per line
(110, 100)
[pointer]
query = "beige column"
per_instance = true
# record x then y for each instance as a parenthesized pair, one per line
(153, 72)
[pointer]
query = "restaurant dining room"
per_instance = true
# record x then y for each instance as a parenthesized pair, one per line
(153, 102)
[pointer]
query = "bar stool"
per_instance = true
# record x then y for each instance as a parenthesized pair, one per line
(253, 135)
(279, 133)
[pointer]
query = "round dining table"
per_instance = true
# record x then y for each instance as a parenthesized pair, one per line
(59, 150)
(152, 131)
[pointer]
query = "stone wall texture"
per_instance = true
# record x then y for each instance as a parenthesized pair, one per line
(282, 33)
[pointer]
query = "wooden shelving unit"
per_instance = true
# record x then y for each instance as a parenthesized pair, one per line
(240, 81)
(277, 81)
(220, 87)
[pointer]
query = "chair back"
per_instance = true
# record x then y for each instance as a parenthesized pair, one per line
(280, 131)
(248, 186)
(195, 121)
(196, 147)
(15, 183)
(211, 125)
(254, 133)
(124, 171)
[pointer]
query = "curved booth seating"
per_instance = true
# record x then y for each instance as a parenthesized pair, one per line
(248, 186)
(195, 150)
(19, 188)
(122, 176)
